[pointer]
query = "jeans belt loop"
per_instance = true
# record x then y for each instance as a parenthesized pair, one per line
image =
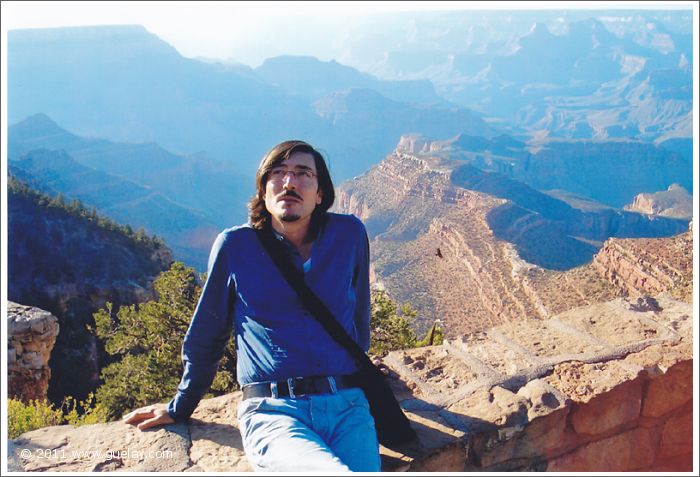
(273, 389)
(333, 385)
(290, 385)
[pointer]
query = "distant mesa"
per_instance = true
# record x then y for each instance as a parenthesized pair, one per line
(235, 114)
(315, 79)
(674, 202)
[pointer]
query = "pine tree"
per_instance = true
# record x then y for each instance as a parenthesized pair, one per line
(148, 338)
(391, 326)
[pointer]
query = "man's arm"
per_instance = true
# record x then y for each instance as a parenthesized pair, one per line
(207, 335)
(202, 349)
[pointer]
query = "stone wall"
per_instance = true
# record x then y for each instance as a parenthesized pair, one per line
(31, 335)
(606, 387)
(643, 422)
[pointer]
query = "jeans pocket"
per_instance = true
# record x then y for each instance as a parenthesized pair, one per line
(247, 406)
(354, 397)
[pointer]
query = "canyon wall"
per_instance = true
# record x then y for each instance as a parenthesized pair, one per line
(468, 248)
(69, 261)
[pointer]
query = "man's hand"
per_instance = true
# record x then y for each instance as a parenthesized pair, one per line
(149, 416)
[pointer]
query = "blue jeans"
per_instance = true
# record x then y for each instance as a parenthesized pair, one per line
(318, 432)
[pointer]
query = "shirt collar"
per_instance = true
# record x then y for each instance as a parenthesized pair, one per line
(281, 238)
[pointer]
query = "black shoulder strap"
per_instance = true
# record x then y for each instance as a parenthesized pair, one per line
(392, 425)
(308, 298)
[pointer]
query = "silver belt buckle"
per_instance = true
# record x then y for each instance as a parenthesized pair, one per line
(332, 384)
(290, 386)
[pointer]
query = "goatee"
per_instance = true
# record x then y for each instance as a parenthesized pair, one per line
(291, 218)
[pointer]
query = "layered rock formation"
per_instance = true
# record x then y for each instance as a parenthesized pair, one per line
(31, 335)
(606, 387)
(611, 172)
(490, 231)
(649, 266)
(673, 202)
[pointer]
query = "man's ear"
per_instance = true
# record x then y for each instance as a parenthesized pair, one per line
(319, 196)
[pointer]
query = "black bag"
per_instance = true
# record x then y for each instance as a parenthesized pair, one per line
(392, 425)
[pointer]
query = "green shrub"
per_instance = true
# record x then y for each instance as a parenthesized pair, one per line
(36, 414)
(81, 413)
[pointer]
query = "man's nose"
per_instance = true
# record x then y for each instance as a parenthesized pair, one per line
(289, 180)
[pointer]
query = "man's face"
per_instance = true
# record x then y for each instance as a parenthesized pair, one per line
(293, 197)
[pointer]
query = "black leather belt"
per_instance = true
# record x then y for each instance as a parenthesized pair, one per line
(297, 387)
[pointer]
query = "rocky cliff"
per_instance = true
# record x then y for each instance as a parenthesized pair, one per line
(67, 261)
(31, 335)
(601, 388)
(649, 266)
(506, 252)
(673, 202)
(611, 172)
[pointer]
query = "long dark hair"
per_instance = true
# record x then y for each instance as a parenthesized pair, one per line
(258, 216)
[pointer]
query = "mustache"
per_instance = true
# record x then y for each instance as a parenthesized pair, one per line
(291, 193)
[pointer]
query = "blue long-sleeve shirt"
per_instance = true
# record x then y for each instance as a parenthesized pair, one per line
(276, 337)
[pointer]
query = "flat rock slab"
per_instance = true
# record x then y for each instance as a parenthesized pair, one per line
(216, 442)
(104, 447)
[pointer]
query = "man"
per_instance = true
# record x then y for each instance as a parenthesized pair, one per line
(300, 410)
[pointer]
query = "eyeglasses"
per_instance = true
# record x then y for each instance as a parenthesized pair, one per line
(278, 174)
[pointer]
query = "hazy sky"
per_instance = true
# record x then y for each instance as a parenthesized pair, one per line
(247, 32)
(244, 31)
